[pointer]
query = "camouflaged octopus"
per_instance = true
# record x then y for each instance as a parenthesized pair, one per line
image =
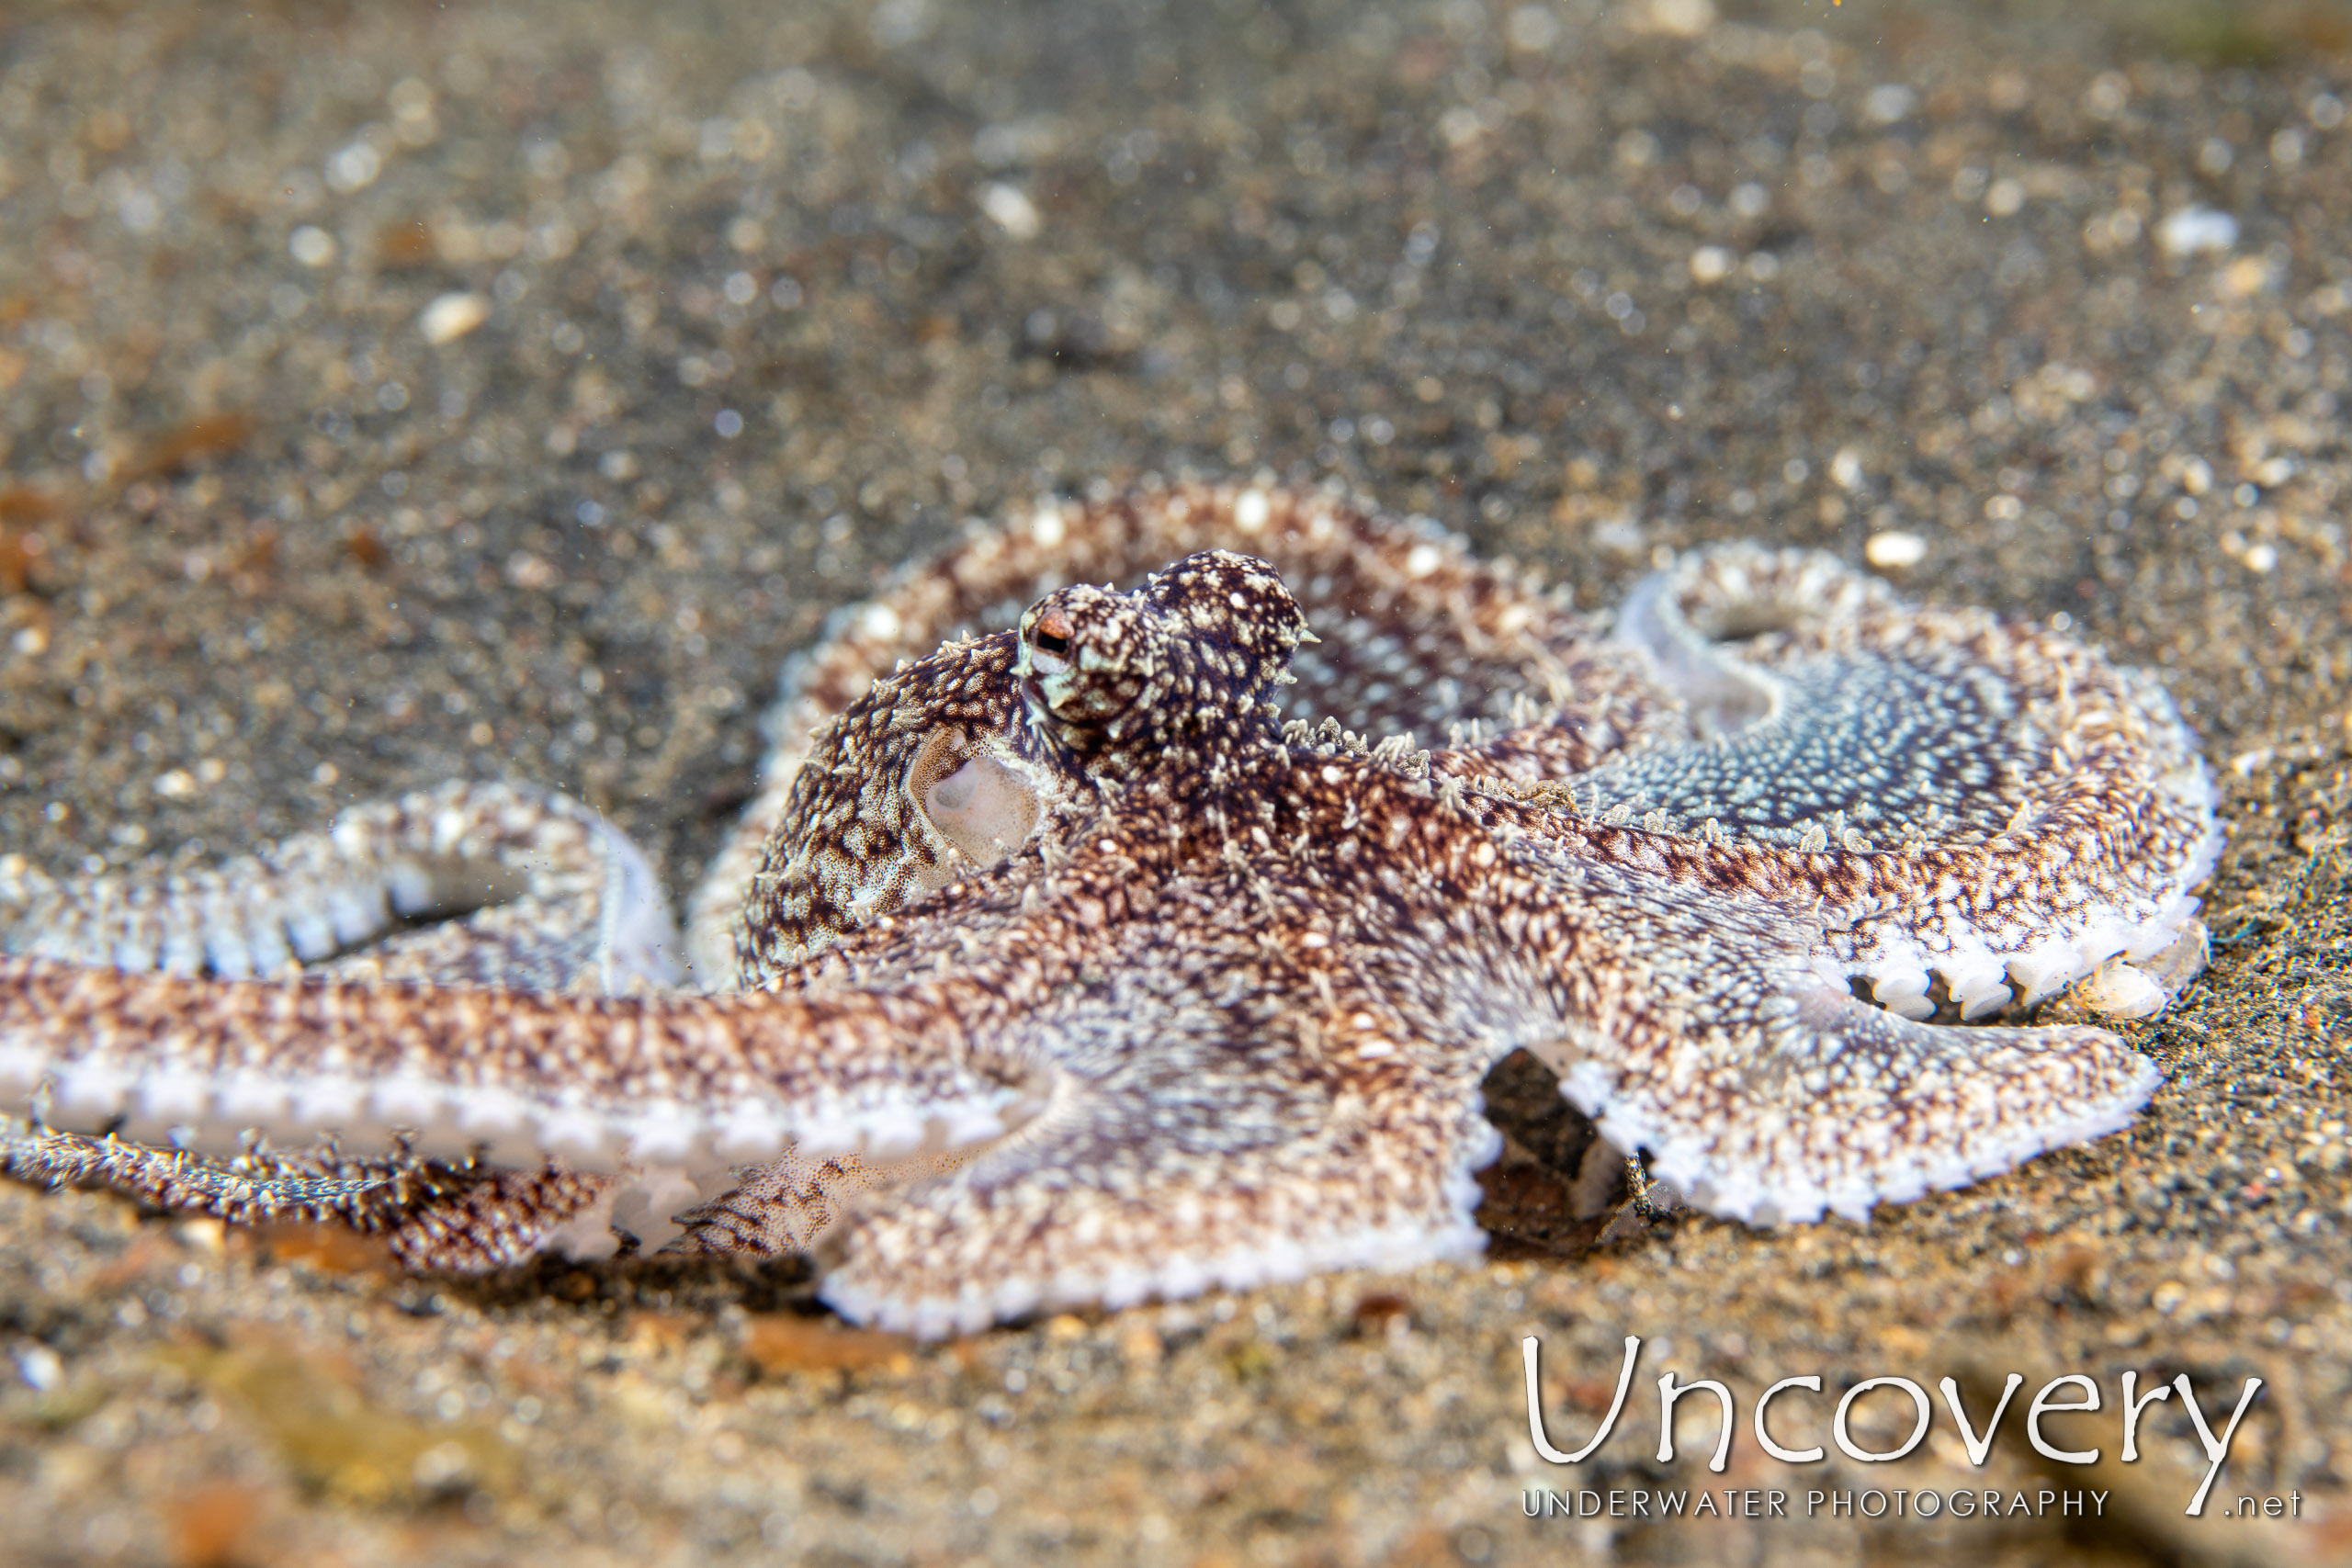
(1143, 949)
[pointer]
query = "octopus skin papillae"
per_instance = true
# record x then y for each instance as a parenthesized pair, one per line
(1092, 944)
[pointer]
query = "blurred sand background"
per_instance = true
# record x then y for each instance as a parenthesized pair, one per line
(391, 394)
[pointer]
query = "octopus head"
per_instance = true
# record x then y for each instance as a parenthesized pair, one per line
(947, 768)
(927, 780)
(973, 793)
(1124, 683)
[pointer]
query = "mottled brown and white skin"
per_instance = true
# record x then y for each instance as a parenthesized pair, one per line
(1111, 956)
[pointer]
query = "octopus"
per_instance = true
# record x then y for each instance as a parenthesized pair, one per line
(1086, 944)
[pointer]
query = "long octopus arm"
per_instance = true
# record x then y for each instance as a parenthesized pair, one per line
(1197, 1139)
(688, 1086)
(1381, 1186)
(2055, 804)
(469, 883)
(1767, 1091)
(433, 1215)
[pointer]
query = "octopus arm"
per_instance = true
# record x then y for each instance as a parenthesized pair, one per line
(1713, 1033)
(466, 884)
(2053, 805)
(1189, 1145)
(1766, 1092)
(433, 1215)
(668, 1093)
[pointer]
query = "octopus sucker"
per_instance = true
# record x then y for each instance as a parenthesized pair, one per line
(1104, 931)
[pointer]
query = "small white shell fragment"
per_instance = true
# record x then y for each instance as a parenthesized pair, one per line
(1013, 210)
(452, 316)
(2193, 228)
(1892, 550)
(311, 245)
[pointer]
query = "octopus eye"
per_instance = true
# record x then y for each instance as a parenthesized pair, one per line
(1050, 639)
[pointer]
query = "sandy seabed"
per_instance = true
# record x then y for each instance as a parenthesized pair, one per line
(760, 301)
